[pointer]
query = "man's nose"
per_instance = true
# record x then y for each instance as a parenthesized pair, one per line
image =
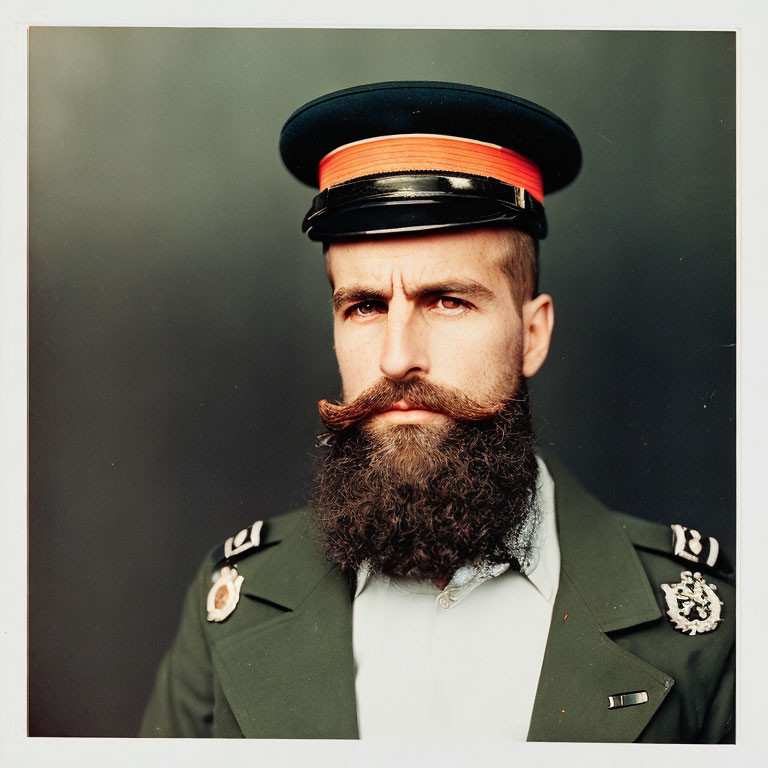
(404, 351)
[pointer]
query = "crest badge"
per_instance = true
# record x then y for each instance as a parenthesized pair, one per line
(224, 594)
(693, 605)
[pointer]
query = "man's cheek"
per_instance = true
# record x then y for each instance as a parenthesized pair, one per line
(355, 379)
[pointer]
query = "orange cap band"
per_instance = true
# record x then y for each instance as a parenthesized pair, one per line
(419, 152)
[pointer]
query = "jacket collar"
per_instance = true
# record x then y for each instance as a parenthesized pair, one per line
(292, 676)
(603, 588)
(599, 558)
(287, 574)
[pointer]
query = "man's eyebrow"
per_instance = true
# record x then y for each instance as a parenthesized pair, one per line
(356, 293)
(466, 287)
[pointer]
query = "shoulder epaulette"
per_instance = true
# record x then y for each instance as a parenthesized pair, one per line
(225, 592)
(685, 544)
(224, 595)
(236, 546)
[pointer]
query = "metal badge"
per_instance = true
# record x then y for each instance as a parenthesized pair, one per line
(693, 604)
(224, 594)
(690, 545)
(246, 539)
(631, 699)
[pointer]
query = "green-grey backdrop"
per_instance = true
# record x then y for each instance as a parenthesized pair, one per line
(180, 326)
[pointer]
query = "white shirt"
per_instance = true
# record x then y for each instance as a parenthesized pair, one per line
(463, 663)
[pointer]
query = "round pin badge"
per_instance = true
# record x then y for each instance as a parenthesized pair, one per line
(224, 594)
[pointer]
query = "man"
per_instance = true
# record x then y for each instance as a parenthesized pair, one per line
(447, 581)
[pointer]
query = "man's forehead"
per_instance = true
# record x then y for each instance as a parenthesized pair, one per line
(432, 256)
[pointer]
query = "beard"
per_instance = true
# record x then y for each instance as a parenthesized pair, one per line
(421, 501)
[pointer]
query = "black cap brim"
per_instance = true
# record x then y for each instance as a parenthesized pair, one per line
(391, 203)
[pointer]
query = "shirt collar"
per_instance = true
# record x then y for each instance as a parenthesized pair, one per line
(543, 570)
(363, 576)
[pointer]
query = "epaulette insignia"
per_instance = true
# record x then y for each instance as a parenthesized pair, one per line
(692, 593)
(244, 540)
(689, 544)
(225, 592)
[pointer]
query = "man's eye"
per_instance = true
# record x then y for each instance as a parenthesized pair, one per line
(450, 304)
(366, 308)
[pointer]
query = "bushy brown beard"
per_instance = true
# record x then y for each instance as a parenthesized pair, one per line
(422, 501)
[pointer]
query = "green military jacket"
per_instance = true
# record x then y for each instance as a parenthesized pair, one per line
(281, 665)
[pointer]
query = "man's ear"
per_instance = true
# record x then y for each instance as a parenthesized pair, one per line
(538, 321)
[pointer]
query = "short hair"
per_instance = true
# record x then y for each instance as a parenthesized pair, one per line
(521, 264)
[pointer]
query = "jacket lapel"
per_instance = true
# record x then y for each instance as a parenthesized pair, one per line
(293, 675)
(598, 593)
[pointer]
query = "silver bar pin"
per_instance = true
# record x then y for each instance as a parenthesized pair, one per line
(627, 699)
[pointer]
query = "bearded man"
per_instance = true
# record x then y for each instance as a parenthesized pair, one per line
(446, 581)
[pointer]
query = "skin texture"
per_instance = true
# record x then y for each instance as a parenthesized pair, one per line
(437, 306)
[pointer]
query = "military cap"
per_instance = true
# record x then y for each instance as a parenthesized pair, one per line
(411, 156)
